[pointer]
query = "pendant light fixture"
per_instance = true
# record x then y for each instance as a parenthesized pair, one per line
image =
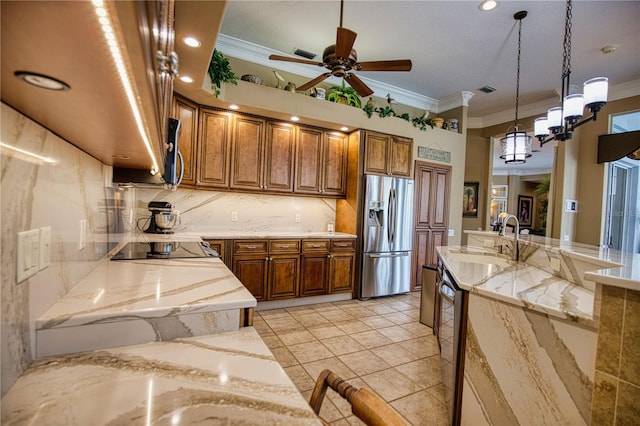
(516, 145)
(561, 121)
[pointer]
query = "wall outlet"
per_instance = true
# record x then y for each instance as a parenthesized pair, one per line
(82, 241)
(451, 232)
(28, 257)
(234, 216)
(45, 247)
(298, 218)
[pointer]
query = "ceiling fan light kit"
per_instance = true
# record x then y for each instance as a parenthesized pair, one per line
(561, 121)
(341, 59)
(516, 145)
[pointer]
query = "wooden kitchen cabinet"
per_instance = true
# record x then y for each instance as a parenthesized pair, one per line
(214, 153)
(387, 155)
(314, 267)
(321, 162)
(269, 269)
(341, 266)
(247, 153)
(219, 247)
(263, 155)
(187, 112)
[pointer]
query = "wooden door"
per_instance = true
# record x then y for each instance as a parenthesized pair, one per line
(252, 273)
(334, 164)
(308, 161)
(283, 277)
(247, 153)
(431, 213)
(279, 157)
(314, 270)
(187, 112)
(341, 272)
(215, 144)
(401, 157)
(376, 151)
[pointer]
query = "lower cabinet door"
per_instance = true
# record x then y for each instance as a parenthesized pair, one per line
(283, 277)
(252, 273)
(313, 275)
(341, 270)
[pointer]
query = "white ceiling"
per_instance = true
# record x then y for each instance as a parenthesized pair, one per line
(454, 48)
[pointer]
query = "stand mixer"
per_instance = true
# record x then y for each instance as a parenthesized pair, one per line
(163, 218)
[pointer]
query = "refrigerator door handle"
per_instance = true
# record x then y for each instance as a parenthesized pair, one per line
(403, 254)
(392, 215)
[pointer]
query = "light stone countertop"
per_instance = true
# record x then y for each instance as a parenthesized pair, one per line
(150, 288)
(495, 276)
(227, 378)
(213, 234)
(617, 268)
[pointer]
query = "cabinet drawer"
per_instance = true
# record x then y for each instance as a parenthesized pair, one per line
(249, 246)
(343, 245)
(315, 246)
(284, 246)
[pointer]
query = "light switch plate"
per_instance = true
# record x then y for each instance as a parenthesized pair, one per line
(45, 247)
(451, 232)
(234, 216)
(297, 217)
(28, 257)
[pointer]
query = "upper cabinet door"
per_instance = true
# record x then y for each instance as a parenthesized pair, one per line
(334, 176)
(213, 161)
(401, 154)
(376, 152)
(308, 161)
(279, 157)
(187, 112)
(248, 147)
(440, 198)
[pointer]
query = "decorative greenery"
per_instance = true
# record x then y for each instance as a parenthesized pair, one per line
(220, 71)
(387, 111)
(350, 96)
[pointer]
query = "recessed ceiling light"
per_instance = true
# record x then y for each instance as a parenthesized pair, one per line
(488, 5)
(234, 107)
(186, 79)
(344, 128)
(295, 118)
(191, 42)
(41, 80)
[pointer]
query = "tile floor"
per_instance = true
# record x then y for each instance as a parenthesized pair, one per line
(378, 343)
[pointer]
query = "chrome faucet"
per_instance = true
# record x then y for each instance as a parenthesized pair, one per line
(515, 252)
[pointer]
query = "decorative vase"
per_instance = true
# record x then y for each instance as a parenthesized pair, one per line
(438, 122)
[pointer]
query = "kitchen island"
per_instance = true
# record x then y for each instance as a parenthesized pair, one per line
(544, 334)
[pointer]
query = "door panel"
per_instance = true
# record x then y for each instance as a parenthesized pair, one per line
(187, 113)
(248, 144)
(440, 198)
(341, 273)
(313, 275)
(334, 176)
(251, 271)
(213, 161)
(283, 277)
(279, 158)
(309, 160)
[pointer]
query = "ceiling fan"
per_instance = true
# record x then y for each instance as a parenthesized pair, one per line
(340, 59)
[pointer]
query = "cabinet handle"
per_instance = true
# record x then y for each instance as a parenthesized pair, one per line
(329, 256)
(251, 247)
(285, 245)
(342, 244)
(267, 258)
(315, 246)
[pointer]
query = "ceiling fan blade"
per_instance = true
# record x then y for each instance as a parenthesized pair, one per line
(309, 84)
(358, 85)
(344, 42)
(300, 61)
(397, 65)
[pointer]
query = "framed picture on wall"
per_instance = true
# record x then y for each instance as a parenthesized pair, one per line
(470, 199)
(525, 210)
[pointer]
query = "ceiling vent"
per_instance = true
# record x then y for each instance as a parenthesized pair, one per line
(487, 89)
(304, 53)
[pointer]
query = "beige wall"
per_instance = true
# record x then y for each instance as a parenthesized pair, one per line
(477, 169)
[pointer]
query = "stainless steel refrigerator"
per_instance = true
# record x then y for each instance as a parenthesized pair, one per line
(386, 236)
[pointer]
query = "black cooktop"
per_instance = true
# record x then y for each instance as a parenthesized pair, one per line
(165, 250)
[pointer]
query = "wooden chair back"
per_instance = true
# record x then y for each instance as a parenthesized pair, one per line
(365, 405)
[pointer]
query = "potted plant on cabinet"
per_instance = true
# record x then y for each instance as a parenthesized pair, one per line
(344, 95)
(220, 71)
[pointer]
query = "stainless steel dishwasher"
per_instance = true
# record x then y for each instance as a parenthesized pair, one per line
(452, 333)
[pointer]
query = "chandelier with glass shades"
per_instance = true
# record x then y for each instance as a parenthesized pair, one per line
(562, 120)
(516, 145)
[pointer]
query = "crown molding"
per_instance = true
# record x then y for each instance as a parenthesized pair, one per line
(617, 92)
